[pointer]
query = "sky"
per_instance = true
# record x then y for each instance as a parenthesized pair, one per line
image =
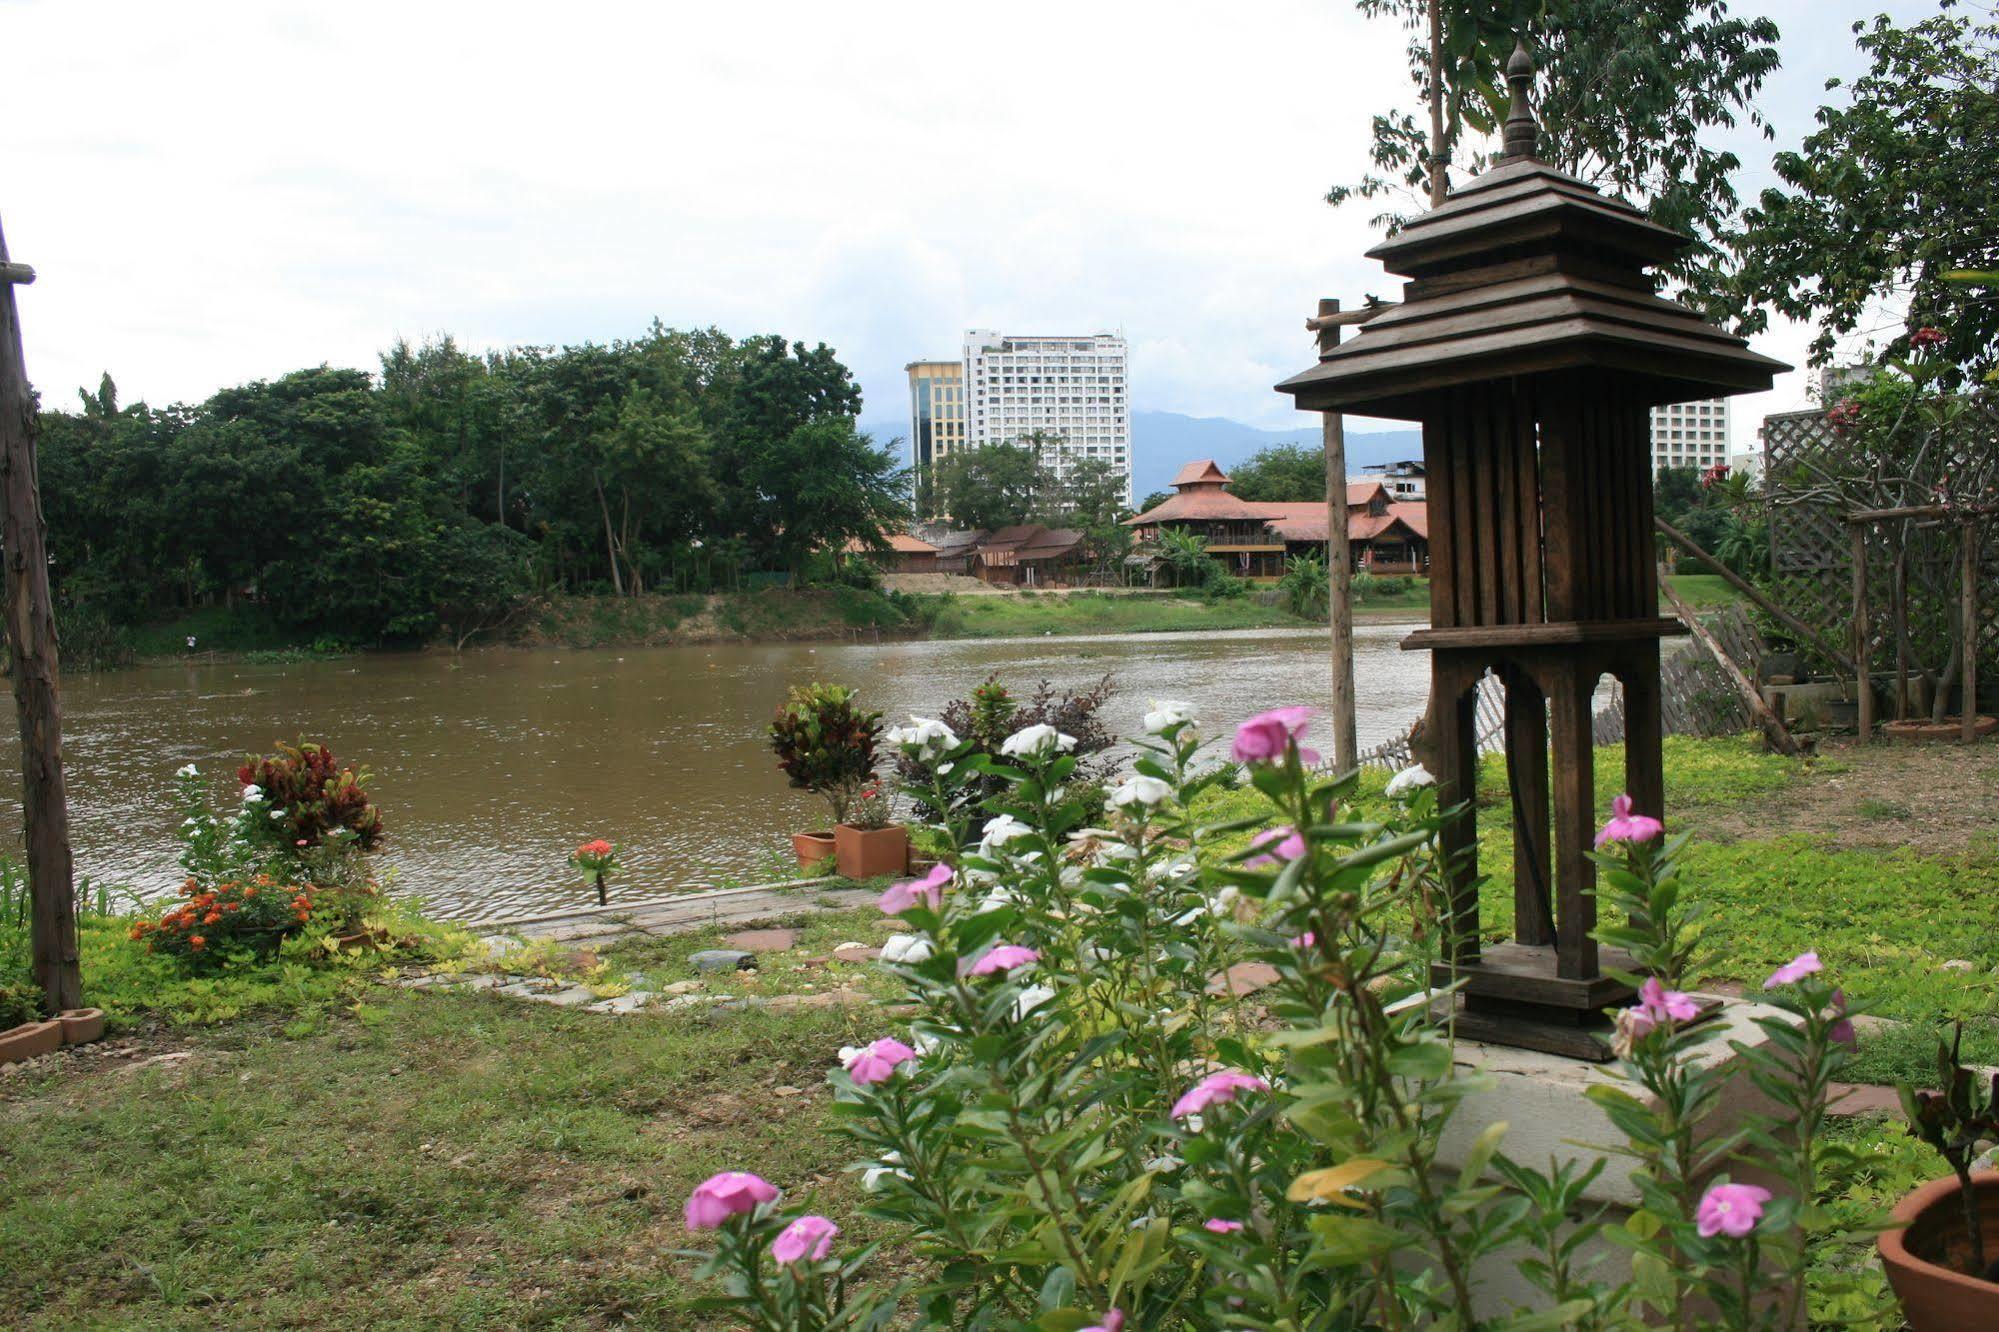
(218, 192)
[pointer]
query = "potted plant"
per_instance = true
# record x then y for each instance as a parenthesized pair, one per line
(869, 842)
(825, 744)
(1943, 1257)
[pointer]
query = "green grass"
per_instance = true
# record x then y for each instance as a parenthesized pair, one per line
(443, 1160)
(1028, 614)
(1703, 590)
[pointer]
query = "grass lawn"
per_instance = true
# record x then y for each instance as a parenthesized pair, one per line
(1028, 614)
(1703, 590)
(399, 1159)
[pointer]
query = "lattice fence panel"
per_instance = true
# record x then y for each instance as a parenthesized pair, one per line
(1811, 558)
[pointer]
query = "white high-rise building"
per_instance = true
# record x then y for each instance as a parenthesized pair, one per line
(1070, 388)
(1690, 434)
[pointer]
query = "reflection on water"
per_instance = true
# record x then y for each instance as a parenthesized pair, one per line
(491, 767)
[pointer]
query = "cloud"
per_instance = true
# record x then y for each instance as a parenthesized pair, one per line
(215, 192)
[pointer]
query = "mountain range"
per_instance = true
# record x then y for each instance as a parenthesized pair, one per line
(1162, 441)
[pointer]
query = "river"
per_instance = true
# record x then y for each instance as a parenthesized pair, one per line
(490, 767)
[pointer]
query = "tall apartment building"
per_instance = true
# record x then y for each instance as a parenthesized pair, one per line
(936, 410)
(1069, 387)
(1690, 434)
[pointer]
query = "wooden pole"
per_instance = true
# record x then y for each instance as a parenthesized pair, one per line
(1863, 681)
(1339, 564)
(1780, 739)
(1968, 611)
(31, 642)
(1735, 580)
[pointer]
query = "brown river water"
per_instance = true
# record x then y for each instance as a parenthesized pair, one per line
(491, 767)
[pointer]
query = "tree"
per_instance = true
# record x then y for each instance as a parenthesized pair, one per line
(992, 486)
(823, 485)
(1281, 472)
(1186, 555)
(1624, 92)
(1887, 201)
(1154, 500)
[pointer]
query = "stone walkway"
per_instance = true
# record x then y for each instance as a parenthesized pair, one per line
(592, 926)
(682, 912)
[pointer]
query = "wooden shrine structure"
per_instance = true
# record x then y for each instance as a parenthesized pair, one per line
(1530, 345)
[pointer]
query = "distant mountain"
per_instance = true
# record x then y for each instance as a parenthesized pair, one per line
(1162, 441)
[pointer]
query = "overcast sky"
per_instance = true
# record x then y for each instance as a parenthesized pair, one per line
(217, 192)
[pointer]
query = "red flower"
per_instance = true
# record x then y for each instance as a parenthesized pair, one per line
(1926, 337)
(197, 943)
(600, 847)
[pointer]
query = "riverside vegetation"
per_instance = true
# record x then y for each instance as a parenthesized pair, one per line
(411, 1159)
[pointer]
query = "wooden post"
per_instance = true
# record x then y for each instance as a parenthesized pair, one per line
(1863, 681)
(31, 642)
(1968, 612)
(1339, 565)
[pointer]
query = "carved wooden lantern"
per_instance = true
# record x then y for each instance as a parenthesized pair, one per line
(1530, 345)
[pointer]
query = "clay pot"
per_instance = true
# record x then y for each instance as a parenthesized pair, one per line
(80, 1026)
(1938, 1298)
(811, 848)
(1921, 732)
(866, 853)
(29, 1040)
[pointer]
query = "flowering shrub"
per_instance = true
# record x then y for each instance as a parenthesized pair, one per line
(596, 860)
(212, 924)
(1082, 1127)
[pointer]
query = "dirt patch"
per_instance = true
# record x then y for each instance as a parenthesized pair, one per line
(1934, 798)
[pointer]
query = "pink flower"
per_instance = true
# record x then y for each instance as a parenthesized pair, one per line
(1657, 1004)
(1113, 1322)
(725, 1195)
(1221, 1225)
(1004, 957)
(1215, 1089)
(1841, 1032)
(926, 891)
(878, 1062)
(1730, 1209)
(1265, 737)
(1285, 844)
(808, 1238)
(1926, 337)
(1624, 826)
(1303, 941)
(1799, 967)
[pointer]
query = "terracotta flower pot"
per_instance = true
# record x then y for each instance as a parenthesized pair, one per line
(1935, 1297)
(80, 1026)
(1946, 732)
(811, 848)
(29, 1040)
(865, 853)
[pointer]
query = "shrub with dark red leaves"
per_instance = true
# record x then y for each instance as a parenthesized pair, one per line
(315, 799)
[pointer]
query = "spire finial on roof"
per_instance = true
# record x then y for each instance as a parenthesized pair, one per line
(1523, 134)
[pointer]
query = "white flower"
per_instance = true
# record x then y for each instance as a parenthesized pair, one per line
(189, 771)
(1147, 791)
(1409, 779)
(1000, 831)
(1030, 999)
(277, 816)
(923, 1043)
(1036, 741)
(849, 1053)
(252, 793)
(994, 900)
(872, 1177)
(907, 949)
(1164, 1165)
(924, 737)
(1169, 712)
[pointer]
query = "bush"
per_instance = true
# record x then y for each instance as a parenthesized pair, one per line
(1075, 1130)
(992, 713)
(218, 925)
(310, 800)
(825, 743)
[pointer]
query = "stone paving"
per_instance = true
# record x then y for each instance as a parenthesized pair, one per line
(588, 927)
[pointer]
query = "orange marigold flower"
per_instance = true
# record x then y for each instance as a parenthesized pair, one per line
(211, 918)
(197, 943)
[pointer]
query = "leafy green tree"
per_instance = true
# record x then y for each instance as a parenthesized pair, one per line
(1887, 211)
(1154, 500)
(1281, 472)
(1186, 556)
(1305, 586)
(1632, 96)
(823, 485)
(992, 486)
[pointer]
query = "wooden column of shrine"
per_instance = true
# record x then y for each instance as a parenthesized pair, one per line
(1531, 345)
